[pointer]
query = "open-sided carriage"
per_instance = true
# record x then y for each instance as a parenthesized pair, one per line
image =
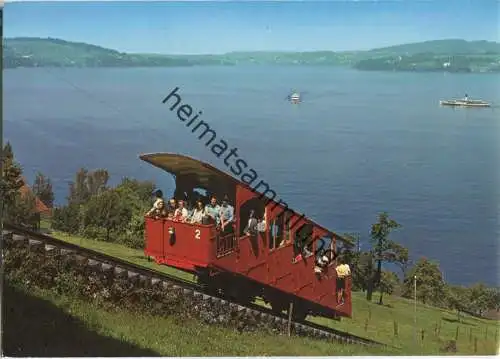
(244, 266)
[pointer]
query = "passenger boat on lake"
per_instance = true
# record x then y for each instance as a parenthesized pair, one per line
(464, 103)
(294, 98)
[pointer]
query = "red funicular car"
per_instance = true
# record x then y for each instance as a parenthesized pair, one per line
(241, 266)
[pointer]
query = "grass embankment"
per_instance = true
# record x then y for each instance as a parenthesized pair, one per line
(370, 320)
(42, 323)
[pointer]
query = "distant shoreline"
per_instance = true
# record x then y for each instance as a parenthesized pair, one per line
(447, 56)
(437, 71)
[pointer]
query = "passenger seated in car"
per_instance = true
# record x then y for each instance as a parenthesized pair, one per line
(302, 245)
(171, 207)
(181, 213)
(261, 225)
(190, 206)
(343, 271)
(226, 216)
(159, 211)
(158, 195)
(322, 262)
(306, 247)
(197, 216)
(251, 228)
(212, 212)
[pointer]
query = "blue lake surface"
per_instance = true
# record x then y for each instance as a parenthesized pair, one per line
(359, 144)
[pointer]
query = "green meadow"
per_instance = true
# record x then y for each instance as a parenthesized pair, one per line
(392, 324)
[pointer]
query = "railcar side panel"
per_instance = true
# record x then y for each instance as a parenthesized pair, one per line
(153, 231)
(181, 245)
(279, 263)
(251, 254)
(259, 258)
(285, 281)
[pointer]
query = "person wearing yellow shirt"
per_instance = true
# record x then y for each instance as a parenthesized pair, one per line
(343, 271)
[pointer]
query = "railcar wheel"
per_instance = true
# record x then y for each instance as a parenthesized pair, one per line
(278, 307)
(238, 296)
(235, 290)
(299, 312)
(207, 284)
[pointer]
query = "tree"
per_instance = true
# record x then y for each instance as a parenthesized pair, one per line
(430, 283)
(97, 181)
(23, 211)
(78, 190)
(107, 211)
(380, 243)
(42, 188)
(67, 218)
(136, 195)
(474, 300)
(399, 255)
(480, 298)
(352, 257)
(388, 282)
(363, 270)
(87, 184)
(16, 208)
(12, 180)
(94, 210)
(458, 299)
(8, 153)
(354, 238)
(494, 302)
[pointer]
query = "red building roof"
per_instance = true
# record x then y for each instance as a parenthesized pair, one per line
(39, 205)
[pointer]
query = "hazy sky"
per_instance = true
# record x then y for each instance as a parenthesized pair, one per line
(217, 27)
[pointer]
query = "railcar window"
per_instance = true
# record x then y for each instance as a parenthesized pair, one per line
(323, 247)
(325, 251)
(279, 231)
(287, 232)
(333, 252)
(257, 206)
(303, 243)
(273, 233)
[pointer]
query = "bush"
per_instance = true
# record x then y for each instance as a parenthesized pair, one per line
(67, 219)
(103, 213)
(55, 272)
(132, 241)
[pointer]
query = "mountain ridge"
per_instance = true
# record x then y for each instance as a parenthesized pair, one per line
(53, 52)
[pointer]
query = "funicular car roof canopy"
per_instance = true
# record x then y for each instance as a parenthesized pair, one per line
(184, 166)
(206, 175)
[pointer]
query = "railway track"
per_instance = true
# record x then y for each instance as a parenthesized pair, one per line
(21, 237)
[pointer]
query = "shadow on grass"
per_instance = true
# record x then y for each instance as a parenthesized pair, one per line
(464, 322)
(34, 327)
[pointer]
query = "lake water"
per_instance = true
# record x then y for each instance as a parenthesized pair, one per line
(360, 143)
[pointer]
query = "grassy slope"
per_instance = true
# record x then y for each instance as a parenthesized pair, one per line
(379, 320)
(43, 324)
